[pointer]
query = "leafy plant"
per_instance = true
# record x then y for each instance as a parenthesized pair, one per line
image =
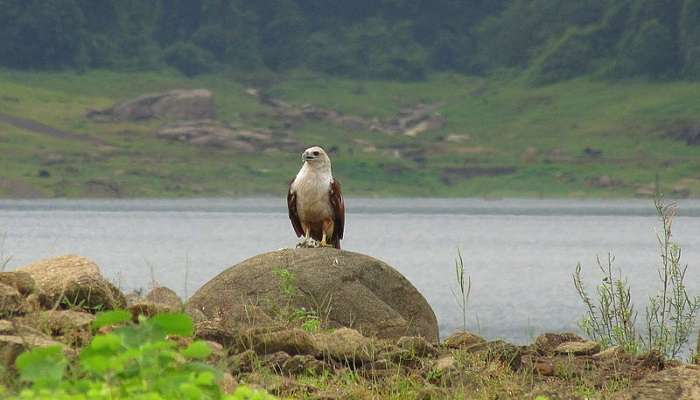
(309, 319)
(670, 313)
(132, 361)
(612, 320)
(464, 288)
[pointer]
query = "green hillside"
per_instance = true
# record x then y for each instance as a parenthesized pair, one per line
(503, 137)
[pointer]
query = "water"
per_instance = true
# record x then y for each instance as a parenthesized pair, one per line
(520, 253)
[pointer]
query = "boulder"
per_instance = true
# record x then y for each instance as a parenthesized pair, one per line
(74, 281)
(19, 280)
(174, 104)
(347, 289)
(680, 383)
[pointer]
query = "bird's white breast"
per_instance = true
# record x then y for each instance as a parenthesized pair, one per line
(311, 188)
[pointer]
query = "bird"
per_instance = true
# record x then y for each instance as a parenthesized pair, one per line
(315, 202)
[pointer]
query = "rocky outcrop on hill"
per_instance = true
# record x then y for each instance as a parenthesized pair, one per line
(345, 289)
(174, 104)
(209, 133)
(410, 121)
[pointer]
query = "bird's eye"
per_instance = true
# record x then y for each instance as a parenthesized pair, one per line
(315, 153)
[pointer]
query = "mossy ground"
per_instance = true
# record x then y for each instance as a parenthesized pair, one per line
(541, 133)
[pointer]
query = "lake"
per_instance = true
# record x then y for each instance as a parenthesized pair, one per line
(520, 253)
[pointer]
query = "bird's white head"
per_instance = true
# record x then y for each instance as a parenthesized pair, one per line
(316, 157)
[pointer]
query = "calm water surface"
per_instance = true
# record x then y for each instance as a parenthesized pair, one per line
(519, 253)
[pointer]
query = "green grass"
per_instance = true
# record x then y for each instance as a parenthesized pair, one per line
(503, 118)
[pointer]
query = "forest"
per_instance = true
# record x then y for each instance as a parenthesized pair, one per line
(547, 40)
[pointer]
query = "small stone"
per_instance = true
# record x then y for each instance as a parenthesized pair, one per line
(12, 346)
(462, 339)
(544, 368)
(276, 360)
(267, 341)
(166, 297)
(609, 353)
(303, 364)
(417, 345)
(578, 348)
(444, 364)
(505, 352)
(21, 281)
(228, 383)
(11, 301)
(345, 345)
(547, 342)
(243, 362)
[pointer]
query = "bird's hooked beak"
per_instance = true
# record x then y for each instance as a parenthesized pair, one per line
(308, 156)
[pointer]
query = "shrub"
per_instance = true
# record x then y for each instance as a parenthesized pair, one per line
(189, 59)
(670, 313)
(133, 361)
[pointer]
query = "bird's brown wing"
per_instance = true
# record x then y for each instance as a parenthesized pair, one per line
(293, 214)
(336, 198)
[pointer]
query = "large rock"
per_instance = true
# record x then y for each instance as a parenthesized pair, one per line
(346, 289)
(74, 281)
(174, 104)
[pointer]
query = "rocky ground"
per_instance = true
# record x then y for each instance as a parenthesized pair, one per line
(272, 325)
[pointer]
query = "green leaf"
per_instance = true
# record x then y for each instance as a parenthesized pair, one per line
(198, 350)
(109, 318)
(43, 366)
(174, 323)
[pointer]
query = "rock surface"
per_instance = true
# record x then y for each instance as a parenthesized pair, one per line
(11, 301)
(462, 339)
(158, 300)
(578, 348)
(681, 383)
(345, 345)
(209, 133)
(74, 280)
(175, 104)
(348, 289)
(21, 281)
(12, 346)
